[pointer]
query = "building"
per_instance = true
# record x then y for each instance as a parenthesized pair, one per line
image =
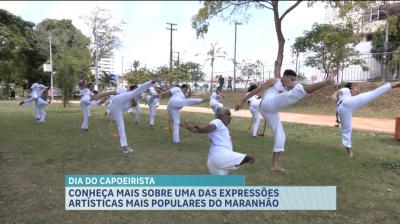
(368, 21)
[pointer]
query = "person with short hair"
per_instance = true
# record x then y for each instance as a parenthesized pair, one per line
(348, 100)
(175, 104)
(153, 101)
(37, 89)
(120, 104)
(138, 111)
(215, 99)
(221, 157)
(41, 103)
(277, 95)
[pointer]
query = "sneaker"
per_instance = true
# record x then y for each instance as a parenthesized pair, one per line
(20, 103)
(127, 149)
(151, 126)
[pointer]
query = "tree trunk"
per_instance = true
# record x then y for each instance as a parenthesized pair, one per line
(281, 40)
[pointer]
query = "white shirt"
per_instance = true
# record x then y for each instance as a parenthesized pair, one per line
(344, 93)
(274, 90)
(176, 92)
(86, 93)
(215, 98)
(38, 88)
(254, 102)
(220, 137)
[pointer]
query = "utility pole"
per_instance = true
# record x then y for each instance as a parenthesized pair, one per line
(51, 72)
(170, 52)
(234, 59)
(96, 83)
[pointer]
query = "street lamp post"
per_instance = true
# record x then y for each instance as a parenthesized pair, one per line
(96, 83)
(51, 72)
(234, 59)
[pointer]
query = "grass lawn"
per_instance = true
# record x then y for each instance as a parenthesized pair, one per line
(34, 159)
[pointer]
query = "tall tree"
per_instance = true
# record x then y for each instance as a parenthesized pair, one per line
(71, 54)
(211, 9)
(213, 53)
(20, 58)
(107, 80)
(104, 34)
(250, 69)
(329, 47)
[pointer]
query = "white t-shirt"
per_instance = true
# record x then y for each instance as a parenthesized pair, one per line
(176, 92)
(254, 102)
(215, 98)
(274, 90)
(220, 137)
(38, 88)
(344, 93)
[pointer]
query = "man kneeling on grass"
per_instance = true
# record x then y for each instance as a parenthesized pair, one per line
(221, 157)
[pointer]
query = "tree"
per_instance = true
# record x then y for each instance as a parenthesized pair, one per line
(329, 47)
(211, 9)
(378, 44)
(104, 37)
(20, 58)
(135, 65)
(214, 53)
(70, 53)
(107, 80)
(249, 69)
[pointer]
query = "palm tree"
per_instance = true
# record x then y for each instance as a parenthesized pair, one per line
(108, 80)
(135, 65)
(214, 53)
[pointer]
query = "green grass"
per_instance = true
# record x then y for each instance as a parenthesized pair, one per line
(34, 159)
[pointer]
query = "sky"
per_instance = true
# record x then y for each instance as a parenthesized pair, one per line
(145, 36)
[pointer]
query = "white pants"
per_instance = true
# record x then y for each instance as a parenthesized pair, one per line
(117, 108)
(174, 110)
(34, 97)
(138, 112)
(221, 161)
(255, 113)
(41, 112)
(85, 103)
(348, 105)
(270, 107)
(215, 105)
(152, 102)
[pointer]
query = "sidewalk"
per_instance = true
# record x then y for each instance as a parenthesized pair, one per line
(385, 126)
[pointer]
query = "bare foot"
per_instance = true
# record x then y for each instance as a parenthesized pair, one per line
(349, 152)
(278, 168)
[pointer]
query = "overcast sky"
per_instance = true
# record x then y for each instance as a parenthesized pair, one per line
(145, 37)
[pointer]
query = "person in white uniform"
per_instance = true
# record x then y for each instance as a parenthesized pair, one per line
(138, 111)
(109, 100)
(152, 100)
(41, 103)
(348, 100)
(87, 97)
(254, 107)
(279, 94)
(175, 104)
(221, 157)
(120, 104)
(215, 99)
(36, 91)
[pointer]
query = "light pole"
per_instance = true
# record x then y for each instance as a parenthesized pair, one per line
(234, 59)
(51, 72)
(122, 70)
(96, 82)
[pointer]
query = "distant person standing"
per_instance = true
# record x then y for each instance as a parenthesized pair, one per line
(12, 94)
(229, 83)
(221, 81)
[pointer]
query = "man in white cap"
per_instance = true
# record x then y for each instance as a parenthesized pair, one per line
(221, 157)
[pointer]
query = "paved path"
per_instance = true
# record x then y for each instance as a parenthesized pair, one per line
(386, 126)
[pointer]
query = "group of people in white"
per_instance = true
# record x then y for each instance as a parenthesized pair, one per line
(266, 100)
